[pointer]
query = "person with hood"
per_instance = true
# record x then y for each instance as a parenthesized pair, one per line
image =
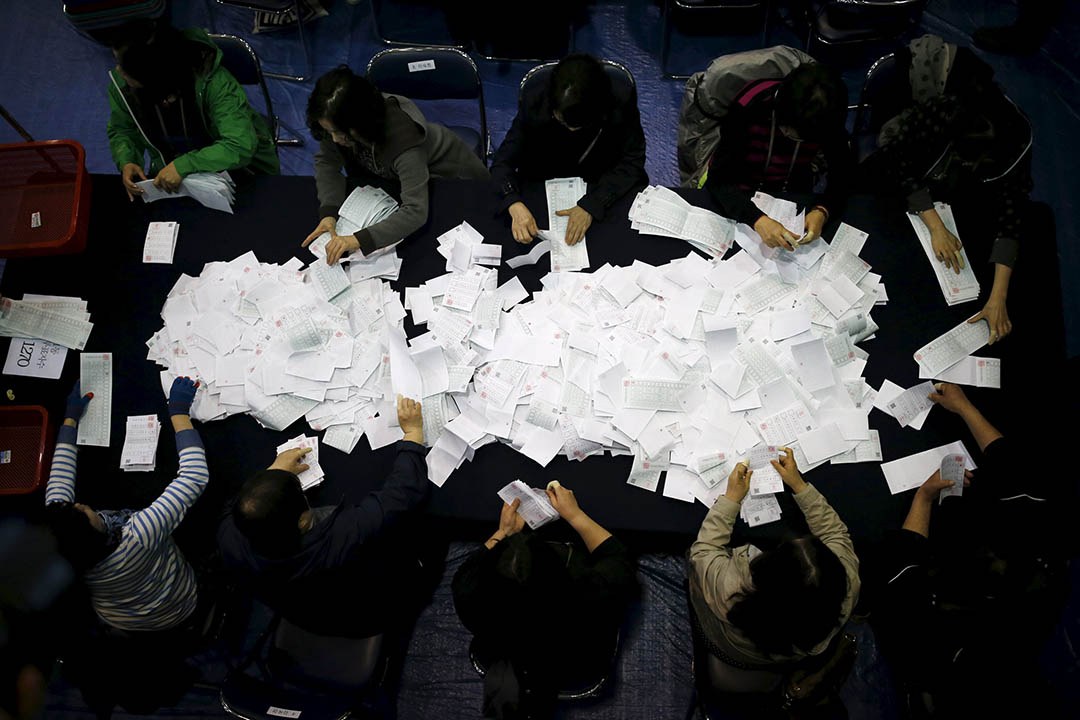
(171, 98)
(328, 570)
(382, 140)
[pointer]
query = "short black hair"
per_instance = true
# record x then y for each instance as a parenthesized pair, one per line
(350, 102)
(580, 89)
(812, 100)
(267, 511)
(120, 36)
(163, 62)
(79, 542)
(799, 590)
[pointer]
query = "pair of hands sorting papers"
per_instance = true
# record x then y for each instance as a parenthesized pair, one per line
(213, 190)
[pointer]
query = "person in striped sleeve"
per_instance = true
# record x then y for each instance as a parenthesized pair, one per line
(136, 577)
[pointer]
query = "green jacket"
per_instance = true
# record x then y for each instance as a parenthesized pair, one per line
(242, 137)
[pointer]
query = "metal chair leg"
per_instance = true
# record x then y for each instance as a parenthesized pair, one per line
(303, 44)
(297, 140)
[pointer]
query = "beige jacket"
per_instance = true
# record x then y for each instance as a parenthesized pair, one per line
(720, 574)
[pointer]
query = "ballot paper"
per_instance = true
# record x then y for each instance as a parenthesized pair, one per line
(365, 206)
(140, 443)
(952, 347)
(160, 243)
(910, 472)
(60, 325)
(822, 443)
(911, 403)
(952, 470)
(314, 474)
(759, 510)
(35, 358)
(563, 194)
(864, 451)
(956, 287)
(658, 210)
(532, 257)
(765, 480)
(974, 371)
(213, 190)
(535, 508)
(848, 238)
(96, 376)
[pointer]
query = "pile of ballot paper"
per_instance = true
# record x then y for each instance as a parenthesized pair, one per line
(160, 243)
(140, 443)
(365, 206)
(956, 287)
(314, 474)
(213, 190)
(60, 320)
(535, 508)
(660, 211)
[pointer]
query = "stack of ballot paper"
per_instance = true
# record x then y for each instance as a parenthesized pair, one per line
(213, 190)
(535, 507)
(364, 207)
(944, 352)
(688, 367)
(563, 194)
(956, 287)
(660, 211)
(280, 343)
(314, 474)
(160, 242)
(140, 443)
(976, 371)
(60, 320)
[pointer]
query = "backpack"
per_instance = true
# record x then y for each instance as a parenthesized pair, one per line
(709, 96)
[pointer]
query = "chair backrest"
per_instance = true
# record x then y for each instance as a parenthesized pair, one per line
(878, 99)
(622, 80)
(238, 57)
(328, 664)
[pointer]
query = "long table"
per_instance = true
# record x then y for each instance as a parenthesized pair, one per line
(272, 216)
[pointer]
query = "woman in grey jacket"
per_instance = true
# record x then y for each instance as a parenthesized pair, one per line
(383, 140)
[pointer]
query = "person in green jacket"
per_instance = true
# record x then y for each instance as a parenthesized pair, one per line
(171, 97)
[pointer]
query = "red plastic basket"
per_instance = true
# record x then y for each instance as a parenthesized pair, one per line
(44, 198)
(26, 445)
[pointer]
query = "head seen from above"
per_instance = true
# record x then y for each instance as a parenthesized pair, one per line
(161, 64)
(80, 534)
(346, 109)
(811, 103)
(270, 512)
(579, 92)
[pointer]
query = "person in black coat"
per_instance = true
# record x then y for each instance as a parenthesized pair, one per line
(579, 125)
(328, 570)
(517, 580)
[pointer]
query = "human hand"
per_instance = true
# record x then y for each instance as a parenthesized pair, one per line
(951, 397)
(738, 482)
(774, 234)
(947, 248)
(812, 224)
(523, 224)
(789, 471)
(580, 220)
(168, 179)
(510, 521)
(411, 419)
(995, 313)
(76, 404)
(291, 461)
(564, 502)
(128, 174)
(326, 225)
(340, 245)
(930, 490)
(181, 395)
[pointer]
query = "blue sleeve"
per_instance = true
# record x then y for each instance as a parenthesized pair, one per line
(157, 522)
(61, 487)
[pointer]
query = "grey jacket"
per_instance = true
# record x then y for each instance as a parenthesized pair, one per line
(413, 151)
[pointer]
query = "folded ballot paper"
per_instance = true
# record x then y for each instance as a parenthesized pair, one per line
(956, 287)
(687, 368)
(213, 190)
(660, 211)
(365, 206)
(535, 507)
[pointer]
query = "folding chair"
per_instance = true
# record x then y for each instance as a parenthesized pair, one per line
(379, 10)
(673, 8)
(278, 7)
(879, 100)
(434, 73)
(849, 22)
(622, 80)
(240, 59)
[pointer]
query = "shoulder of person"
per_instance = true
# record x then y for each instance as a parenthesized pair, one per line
(405, 126)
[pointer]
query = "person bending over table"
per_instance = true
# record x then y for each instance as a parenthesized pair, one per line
(783, 136)
(136, 576)
(329, 570)
(518, 579)
(970, 147)
(575, 126)
(382, 140)
(760, 613)
(963, 619)
(171, 97)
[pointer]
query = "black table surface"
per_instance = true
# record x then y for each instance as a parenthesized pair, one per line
(272, 216)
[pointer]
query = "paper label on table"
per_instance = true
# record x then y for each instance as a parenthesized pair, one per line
(95, 376)
(35, 358)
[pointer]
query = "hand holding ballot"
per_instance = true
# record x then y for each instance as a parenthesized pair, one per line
(951, 397)
(774, 234)
(410, 419)
(739, 482)
(789, 470)
(523, 224)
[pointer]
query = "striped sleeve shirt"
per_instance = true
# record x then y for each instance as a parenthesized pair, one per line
(145, 584)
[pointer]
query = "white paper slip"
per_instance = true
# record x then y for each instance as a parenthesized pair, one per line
(160, 242)
(535, 507)
(24, 319)
(645, 471)
(95, 376)
(760, 509)
(35, 358)
(822, 443)
(314, 474)
(952, 470)
(331, 280)
(653, 394)
(140, 443)
(864, 451)
(564, 257)
(764, 480)
(911, 403)
(848, 238)
(785, 426)
(953, 346)
(912, 471)
(956, 287)
(814, 365)
(974, 371)
(542, 445)
(532, 257)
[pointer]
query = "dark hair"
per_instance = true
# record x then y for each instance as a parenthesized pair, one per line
(79, 542)
(580, 90)
(163, 62)
(268, 509)
(120, 36)
(350, 103)
(812, 100)
(799, 588)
